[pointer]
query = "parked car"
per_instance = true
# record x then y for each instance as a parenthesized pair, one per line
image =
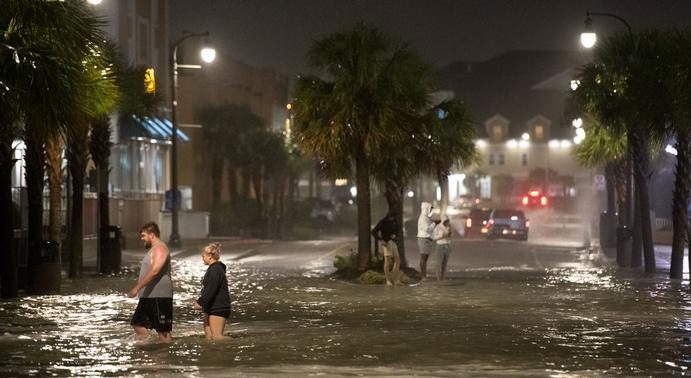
(476, 222)
(508, 223)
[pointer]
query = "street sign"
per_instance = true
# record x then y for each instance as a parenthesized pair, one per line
(599, 182)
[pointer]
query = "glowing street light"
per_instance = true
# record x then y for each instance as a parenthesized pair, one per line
(589, 37)
(208, 55)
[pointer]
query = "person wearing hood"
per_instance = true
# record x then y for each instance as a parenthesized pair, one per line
(442, 235)
(425, 243)
(214, 300)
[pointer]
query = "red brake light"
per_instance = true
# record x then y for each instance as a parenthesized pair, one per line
(468, 222)
(490, 222)
(534, 193)
(543, 201)
(525, 200)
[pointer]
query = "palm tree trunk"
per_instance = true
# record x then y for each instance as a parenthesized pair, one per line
(682, 185)
(77, 158)
(288, 206)
(394, 199)
(363, 209)
(9, 256)
(245, 189)
(637, 239)
(443, 179)
(35, 170)
(641, 158)
(103, 213)
(54, 167)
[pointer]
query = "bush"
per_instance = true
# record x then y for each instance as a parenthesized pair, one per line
(372, 277)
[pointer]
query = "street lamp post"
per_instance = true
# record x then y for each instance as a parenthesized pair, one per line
(208, 55)
(588, 40)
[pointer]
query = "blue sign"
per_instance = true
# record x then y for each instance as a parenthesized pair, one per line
(169, 200)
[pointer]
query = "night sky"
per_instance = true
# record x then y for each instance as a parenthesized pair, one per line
(277, 33)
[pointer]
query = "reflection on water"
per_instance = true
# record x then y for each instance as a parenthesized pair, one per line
(556, 322)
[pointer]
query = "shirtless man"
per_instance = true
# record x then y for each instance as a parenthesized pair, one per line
(154, 288)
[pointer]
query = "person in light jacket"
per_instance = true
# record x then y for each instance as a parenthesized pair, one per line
(442, 236)
(214, 300)
(425, 244)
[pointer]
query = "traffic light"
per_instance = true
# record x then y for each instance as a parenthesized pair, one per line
(149, 81)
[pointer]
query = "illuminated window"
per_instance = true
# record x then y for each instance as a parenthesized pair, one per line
(497, 132)
(539, 132)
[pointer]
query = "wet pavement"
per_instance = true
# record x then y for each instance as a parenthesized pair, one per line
(510, 309)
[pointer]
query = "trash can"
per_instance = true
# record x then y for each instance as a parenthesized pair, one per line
(111, 255)
(45, 270)
(623, 245)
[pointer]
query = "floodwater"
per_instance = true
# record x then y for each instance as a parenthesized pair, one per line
(568, 322)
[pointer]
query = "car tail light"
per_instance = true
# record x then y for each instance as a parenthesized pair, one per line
(534, 193)
(527, 223)
(525, 200)
(468, 222)
(543, 201)
(490, 222)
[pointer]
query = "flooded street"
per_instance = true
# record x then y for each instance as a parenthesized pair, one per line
(569, 318)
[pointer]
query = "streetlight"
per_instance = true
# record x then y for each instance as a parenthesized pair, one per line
(208, 55)
(589, 37)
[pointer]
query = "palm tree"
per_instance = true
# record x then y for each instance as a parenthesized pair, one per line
(449, 144)
(622, 86)
(101, 93)
(679, 83)
(364, 103)
(216, 135)
(46, 42)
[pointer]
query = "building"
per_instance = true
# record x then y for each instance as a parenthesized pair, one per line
(519, 103)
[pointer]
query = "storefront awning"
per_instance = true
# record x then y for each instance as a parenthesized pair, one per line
(159, 128)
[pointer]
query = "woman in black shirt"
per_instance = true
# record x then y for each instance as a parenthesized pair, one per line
(215, 297)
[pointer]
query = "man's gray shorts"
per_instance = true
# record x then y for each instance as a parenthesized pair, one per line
(425, 246)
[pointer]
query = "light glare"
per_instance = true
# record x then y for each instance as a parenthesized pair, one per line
(208, 54)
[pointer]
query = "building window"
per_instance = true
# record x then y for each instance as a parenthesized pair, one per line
(497, 133)
(539, 132)
(491, 159)
(524, 159)
(501, 159)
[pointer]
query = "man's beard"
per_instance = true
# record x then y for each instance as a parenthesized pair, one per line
(147, 244)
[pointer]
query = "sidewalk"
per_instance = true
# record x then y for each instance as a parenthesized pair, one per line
(135, 250)
(663, 252)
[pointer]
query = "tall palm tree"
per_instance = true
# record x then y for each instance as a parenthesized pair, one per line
(679, 83)
(101, 94)
(603, 148)
(361, 104)
(47, 42)
(622, 86)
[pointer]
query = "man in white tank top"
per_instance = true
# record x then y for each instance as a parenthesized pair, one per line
(154, 288)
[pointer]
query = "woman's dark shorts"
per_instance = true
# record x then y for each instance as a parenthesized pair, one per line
(156, 313)
(221, 313)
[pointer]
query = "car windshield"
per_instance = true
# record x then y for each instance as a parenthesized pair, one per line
(508, 214)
